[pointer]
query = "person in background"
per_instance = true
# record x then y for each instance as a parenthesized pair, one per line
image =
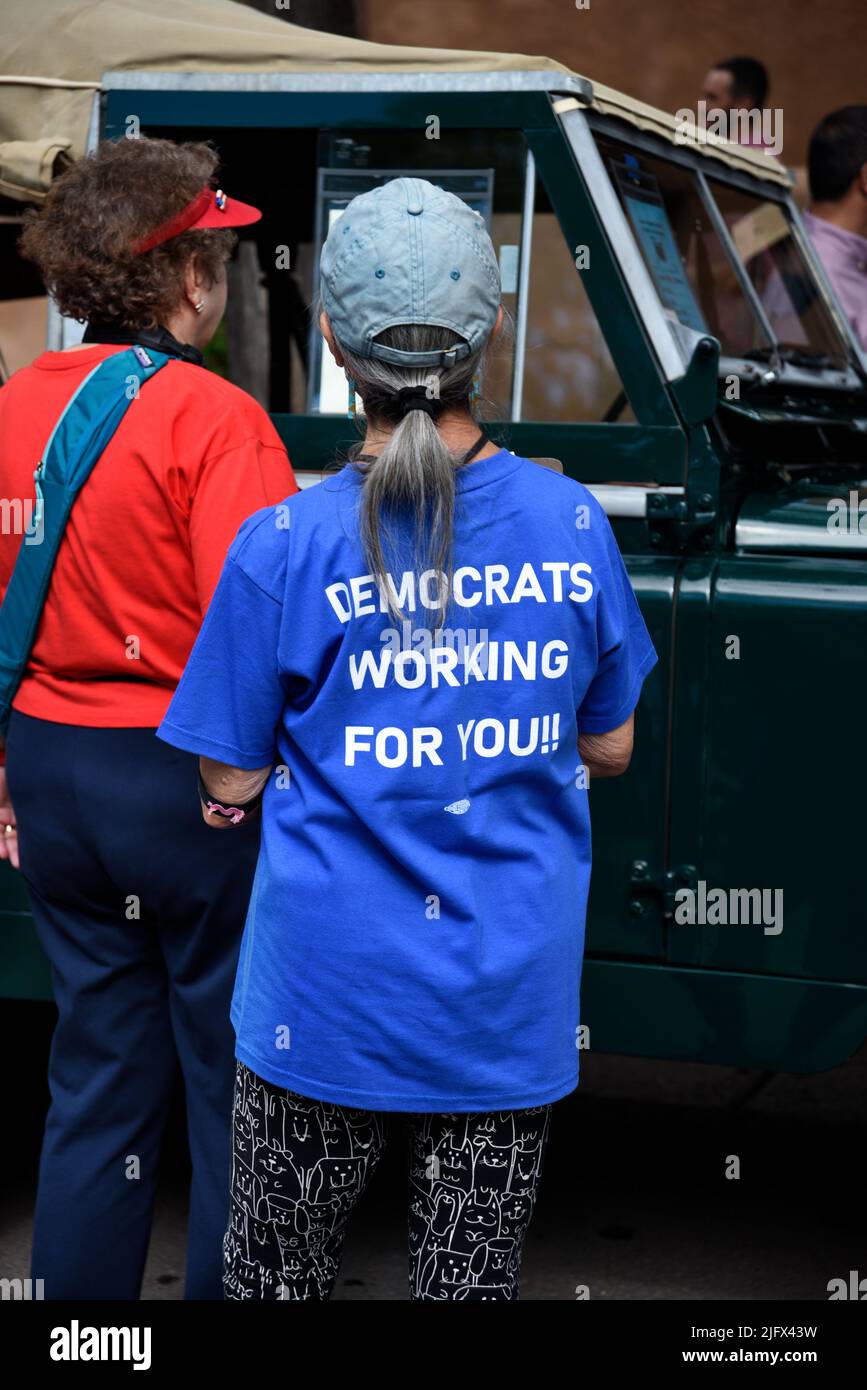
(837, 218)
(135, 903)
(736, 84)
(739, 84)
(419, 747)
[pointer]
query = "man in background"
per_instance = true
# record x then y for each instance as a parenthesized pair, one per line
(837, 219)
(738, 84)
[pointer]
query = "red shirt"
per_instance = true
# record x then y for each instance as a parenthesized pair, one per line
(142, 552)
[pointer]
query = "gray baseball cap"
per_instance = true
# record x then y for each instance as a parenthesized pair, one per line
(409, 252)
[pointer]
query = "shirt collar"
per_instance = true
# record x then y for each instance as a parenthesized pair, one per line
(478, 473)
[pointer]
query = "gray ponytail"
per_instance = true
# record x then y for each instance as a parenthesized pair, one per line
(413, 478)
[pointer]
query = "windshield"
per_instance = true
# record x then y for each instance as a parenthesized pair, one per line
(699, 279)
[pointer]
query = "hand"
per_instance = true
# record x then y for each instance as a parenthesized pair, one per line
(8, 837)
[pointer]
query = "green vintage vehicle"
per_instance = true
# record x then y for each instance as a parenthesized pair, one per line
(677, 347)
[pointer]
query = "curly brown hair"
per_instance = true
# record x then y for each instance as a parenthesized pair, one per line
(81, 238)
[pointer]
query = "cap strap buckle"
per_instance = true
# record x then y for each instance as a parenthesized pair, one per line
(445, 357)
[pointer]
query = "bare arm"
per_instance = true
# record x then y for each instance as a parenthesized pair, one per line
(608, 754)
(231, 786)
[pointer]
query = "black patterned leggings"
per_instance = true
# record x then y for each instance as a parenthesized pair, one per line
(299, 1167)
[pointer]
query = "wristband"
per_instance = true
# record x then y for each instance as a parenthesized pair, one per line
(234, 813)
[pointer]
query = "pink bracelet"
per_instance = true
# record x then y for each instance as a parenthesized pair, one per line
(232, 813)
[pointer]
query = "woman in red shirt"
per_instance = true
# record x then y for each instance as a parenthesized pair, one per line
(138, 909)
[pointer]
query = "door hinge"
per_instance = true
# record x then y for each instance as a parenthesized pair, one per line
(679, 519)
(645, 885)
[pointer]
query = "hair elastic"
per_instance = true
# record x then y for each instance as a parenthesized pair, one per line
(416, 398)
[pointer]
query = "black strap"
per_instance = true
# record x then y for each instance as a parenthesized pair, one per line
(477, 447)
(468, 456)
(111, 331)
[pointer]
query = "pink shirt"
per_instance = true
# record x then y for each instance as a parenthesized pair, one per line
(844, 256)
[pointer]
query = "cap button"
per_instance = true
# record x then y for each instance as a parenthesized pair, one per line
(414, 201)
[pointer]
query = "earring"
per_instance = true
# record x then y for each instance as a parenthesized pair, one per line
(350, 413)
(200, 306)
(475, 391)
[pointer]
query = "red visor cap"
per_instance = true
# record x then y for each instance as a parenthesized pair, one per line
(210, 208)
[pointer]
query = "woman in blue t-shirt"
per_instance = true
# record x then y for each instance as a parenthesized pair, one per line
(414, 668)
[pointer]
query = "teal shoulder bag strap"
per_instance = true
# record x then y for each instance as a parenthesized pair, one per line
(77, 441)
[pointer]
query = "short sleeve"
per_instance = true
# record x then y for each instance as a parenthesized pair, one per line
(230, 697)
(625, 653)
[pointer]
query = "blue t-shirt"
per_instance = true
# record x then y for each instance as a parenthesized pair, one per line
(416, 928)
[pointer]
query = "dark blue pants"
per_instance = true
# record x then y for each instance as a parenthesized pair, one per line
(139, 907)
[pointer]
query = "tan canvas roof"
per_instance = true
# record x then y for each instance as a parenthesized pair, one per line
(53, 54)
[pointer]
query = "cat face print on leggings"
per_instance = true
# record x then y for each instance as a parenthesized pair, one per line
(300, 1166)
(473, 1196)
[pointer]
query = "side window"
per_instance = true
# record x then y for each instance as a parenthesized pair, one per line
(551, 363)
(569, 374)
(269, 343)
